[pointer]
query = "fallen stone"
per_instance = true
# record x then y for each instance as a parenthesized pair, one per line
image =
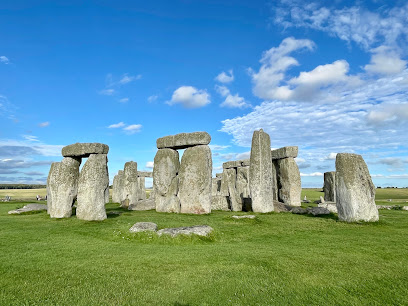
(143, 227)
(84, 149)
(331, 206)
(244, 217)
(281, 207)
(285, 152)
(387, 207)
(183, 140)
(260, 173)
(28, 208)
(404, 208)
(289, 183)
(329, 186)
(147, 204)
(93, 182)
(298, 210)
(219, 202)
(195, 180)
(318, 211)
(200, 230)
(355, 191)
(144, 174)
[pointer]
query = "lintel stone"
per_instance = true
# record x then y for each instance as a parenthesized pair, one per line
(84, 149)
(183, 140)
(285, 152)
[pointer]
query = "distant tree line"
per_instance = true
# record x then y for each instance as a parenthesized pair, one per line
(21, 186)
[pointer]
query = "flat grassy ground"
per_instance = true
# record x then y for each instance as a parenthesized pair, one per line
(276, 259)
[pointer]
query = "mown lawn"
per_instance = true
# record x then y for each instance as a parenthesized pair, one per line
(276, 259)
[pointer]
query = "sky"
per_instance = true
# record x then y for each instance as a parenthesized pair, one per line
(326, 76)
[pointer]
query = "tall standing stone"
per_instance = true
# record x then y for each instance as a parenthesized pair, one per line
(165, 180)
(234, 198)
(329, 186)
(195, 180)
(260, 173)
(131, 184)
(62, 187)
(355, 191)
(142, 187)
(93, 182)
(289, 181)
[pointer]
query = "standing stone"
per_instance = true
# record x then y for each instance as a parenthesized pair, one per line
(329, 186)
(289, 182)
(93, 182)
(142, 188)
(224, 184)
(62, 187)
(131, 195)
(115, 189)
(260, 173)
(355, 191)
(107, 200)
(165, 180)
(215, 186)
(234, 198)
(219, 202)
(275, 187)
(120, 187)
(195, 180)
(243, 182)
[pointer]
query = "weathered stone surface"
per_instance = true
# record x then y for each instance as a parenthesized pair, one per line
(183, 140)
(355, 191)
(289, 183)
(144, 174)
(195, 180)
(298, 210)
(165, 180)
(215, 186)
(224, 185)
(260, 173)
(331, 206)
(329, 186)
(236, 164)
(275, 187)
(143, 227)
(28, 208)
(62, 187)
(142, 188)
(285, 152)
(200, 230)
(84, 149)
(404, 208)
(317, 211)
(147, 204)
(235, 201)
(93, 182)
(218, 175)
(219, 202)
(281, 207)
(118, 192)
(244, 217)
(131, 184)
(242, 184)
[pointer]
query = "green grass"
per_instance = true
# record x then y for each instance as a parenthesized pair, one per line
(276, 259)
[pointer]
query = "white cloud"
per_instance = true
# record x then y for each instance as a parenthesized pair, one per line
(214, 147)
(224, 77)
(152, 98)
(388, 113)
(331, 156)
(116, 125)
(4, 60)
(231, 101)
(30, 137)
(107, 92)
(126, 78)
(133, 128)
(385, 61)
(190, 97)
(311, 174)
(124, 100)
(149, 165)
(44, 124)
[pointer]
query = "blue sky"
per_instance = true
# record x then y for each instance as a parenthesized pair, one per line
(327, 76)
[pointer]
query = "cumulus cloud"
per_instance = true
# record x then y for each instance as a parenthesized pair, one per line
(388, 113)
(331, 156)
(149, 165)
(231, 101)
(223, 77)
(395, 163)
(385, 61)
(44, 124)
(190, 97)
(4, 60)
(116, 125)
(133, 128)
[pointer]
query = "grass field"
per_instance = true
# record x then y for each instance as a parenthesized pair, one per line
(276, 259)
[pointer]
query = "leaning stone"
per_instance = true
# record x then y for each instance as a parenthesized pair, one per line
(84, 149)
(234, 198)
(93, 182)
(219, 202)
(165, 180)
(143, 227)
(131, 184)
(260, 173)
(329, 186)
(147, 204)
(317, 211)
(183, 140)
(195, 180)
(298, 210)
(285, 152)
(244, 217)
(62, 187)
(200, 230)
(144, 174)
(289, 182)
(355, 191)
(28, 208)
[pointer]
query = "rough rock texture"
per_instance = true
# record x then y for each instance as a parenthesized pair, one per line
(144, 174)
(260, 173)
(93, 182)
(236, 164)
(224, 184)
(285, 152)
(355, 191)
(143, 227)
(147, 204)
(142, 188)
(244, 217)
(115, 190)
(200, 230)
(131, 184)
(28, 208)
(275, 187)
(289, 183)
(84, 149)
(317, 211)
(165, 180)
(219, 202)
(235, 201)
(62, 187)
(281, 207)
(329, 186)
(242, 184)
(404, 208)
(298, 210)
(195, 180)
(183, 140)
(118, 192)
(215, 186)
(331, 206)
